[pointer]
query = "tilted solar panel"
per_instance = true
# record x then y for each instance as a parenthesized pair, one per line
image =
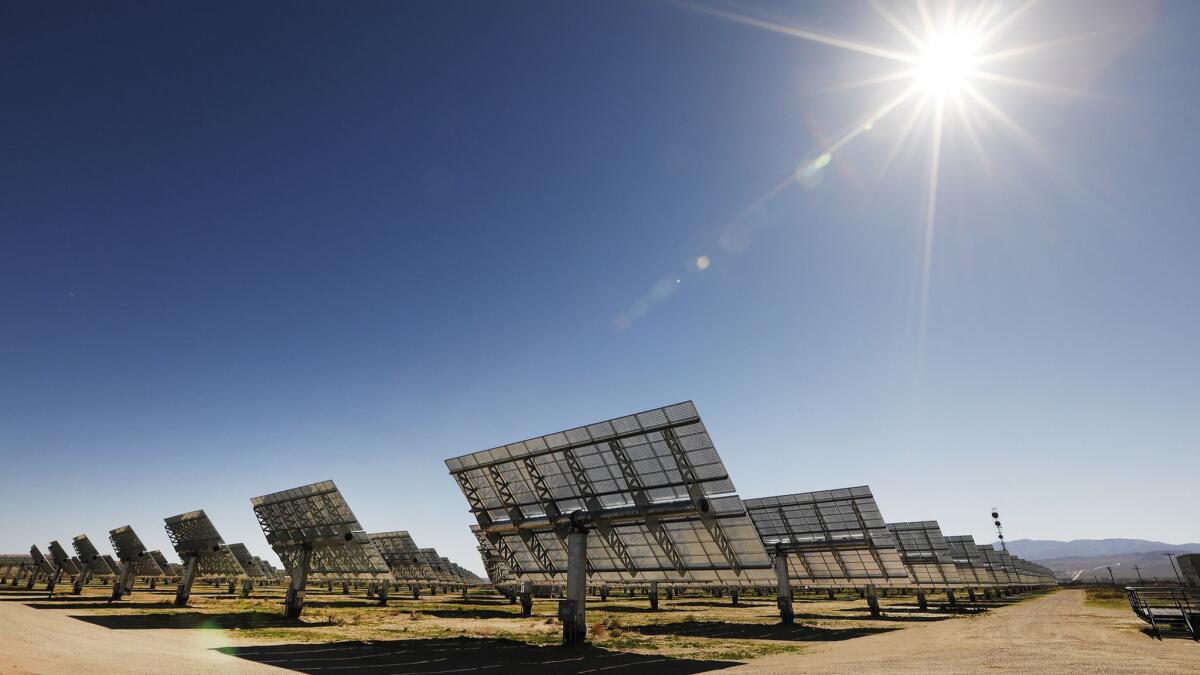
(130, 551)
(90, 556)
(660, 466)
(833, 538)
(925, 554)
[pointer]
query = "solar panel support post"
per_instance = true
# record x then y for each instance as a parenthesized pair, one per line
(383, 592)
(247, 586)
(53, 580)
(783, 593)
(604, 593)
(734, 594)
(950, 599)
(32, 579)
(971, 594)
(526, 598)
(872, 600)
(293, 604)
(184, 590)
(124, 581)
(416, 591)
(345, 588)
(572, 611)
(653, 595)
(921, 601)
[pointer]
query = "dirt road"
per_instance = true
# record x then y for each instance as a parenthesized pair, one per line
(50, 641)
(1053, 634)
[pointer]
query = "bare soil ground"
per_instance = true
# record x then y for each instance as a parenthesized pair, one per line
(1057, 633)
(443, 633)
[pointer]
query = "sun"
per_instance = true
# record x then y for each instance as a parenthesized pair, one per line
(945, 65)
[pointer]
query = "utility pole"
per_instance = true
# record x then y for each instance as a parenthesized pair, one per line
(1110, 575)
(999, 529)
(1137, 570)
(1171, 557)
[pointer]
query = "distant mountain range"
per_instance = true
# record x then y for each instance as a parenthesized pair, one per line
(1089, 559)
(1044, 549)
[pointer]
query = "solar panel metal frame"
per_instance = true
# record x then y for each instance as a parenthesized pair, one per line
(90, 556)
(163, 564)
(925, 553)
(972, 565)
(642, 461)
(318, 516)
(193, 534)
(996, 565)
(245, 560)
(131, 551)
(406, 561)
(834, 538)
(40, 562)
(60, 558)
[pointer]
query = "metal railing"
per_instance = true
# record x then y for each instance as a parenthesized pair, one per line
(1167, 607)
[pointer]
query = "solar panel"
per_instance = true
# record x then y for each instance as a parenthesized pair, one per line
(925, 554)
(314, 532)
(971, 564)
(14, 565)
(996, 565)
(43, 565)
(61, 559)
(650, 485)
(246, 561)
(161, 560)
(407, 562)
(135, 560)
(833, 538)
(193, 535)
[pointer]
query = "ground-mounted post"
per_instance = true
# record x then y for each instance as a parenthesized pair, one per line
(653, 594)
(783, 592)
(32, 578)
(53, 580)
(416, 591)
(231, 588)
(829, 594)
(572, 611)
(971, 594)
(384, 587)
(526, 598)
(433, 589)
(293, 604)
(124, 582)
(734, 595)
(80, 580)
(921, 602)
(345, 588)
(951, 599)
(184, 590)
(604, 594)
(153, 583)
(872, 600)
(247, 586)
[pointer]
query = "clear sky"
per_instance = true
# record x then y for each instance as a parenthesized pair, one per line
(248, 246)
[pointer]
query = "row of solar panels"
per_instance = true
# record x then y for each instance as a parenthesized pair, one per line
(292, 520)
(654, 490)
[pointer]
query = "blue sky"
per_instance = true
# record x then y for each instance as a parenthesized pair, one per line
(251, 246)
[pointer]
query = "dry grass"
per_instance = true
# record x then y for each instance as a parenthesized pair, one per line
(694, 625)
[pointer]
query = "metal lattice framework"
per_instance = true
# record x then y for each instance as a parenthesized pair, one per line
(131, 551)
(40, 562)
(969, 559)
(62, 559)
(833, 538)
(193, 535)
(247, 562)
(91, 557)
(406, 561)
(925, 554)
(317, 517)
(168, 568)
(13, 564)
(998, 566)
(497, 568)
(650, 487)
(436, 563)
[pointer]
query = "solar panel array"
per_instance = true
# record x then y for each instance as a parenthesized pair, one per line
(248, 563)
(318, 516)
(635, 463)
(91, 558)
(131, 551)
(401, 554)
(193, 534)
(970, 561)
(62, 559)
(925, 554)
(834, 538)
(40, 562)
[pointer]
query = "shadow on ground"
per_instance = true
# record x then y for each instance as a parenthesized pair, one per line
(197, 620)
(756, 631)
(468, 613)
(462, 655)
